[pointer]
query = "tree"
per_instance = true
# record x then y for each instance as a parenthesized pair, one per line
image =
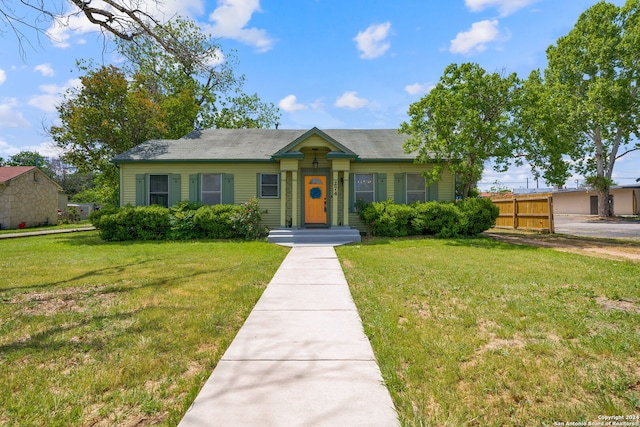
(181, 63)
(123, 19)
(588, 98)
(30, 158)
(463, 122)
(106, 116)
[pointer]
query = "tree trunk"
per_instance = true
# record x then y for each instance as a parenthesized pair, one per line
(605, 209)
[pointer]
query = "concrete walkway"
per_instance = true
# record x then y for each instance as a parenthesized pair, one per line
(300, 359)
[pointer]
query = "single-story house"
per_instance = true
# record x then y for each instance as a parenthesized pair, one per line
(625, 199)
(28, 197)
(301, 178)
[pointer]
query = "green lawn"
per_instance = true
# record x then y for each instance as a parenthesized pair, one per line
(96, 333)
(480, 333)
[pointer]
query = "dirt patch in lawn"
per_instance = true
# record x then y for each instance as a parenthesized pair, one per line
(590, 247)
(49, 303)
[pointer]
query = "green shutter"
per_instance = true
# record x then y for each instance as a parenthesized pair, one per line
(141, 190)
(194, 188)
(174, 189)
(400, 189)
(227, 189)
(352, 192)
(433, 191)
(381, 187)
(259, 185)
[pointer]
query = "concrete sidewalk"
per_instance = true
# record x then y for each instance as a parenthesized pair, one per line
(300, 359)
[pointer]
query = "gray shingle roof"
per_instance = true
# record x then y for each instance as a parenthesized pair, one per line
(262, 144)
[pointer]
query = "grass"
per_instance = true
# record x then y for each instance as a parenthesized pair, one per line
(481, 333)
(96, 333)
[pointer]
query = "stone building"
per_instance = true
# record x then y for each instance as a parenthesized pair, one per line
(28, 197)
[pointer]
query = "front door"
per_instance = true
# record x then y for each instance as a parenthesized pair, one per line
(315, 199)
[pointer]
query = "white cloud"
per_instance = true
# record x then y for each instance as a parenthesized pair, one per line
(289, 104)
(351, 101)
(372, 41)
(9, 117)
(230, 20)
(3, 76)
(418, 88)
(505, 7)
(45, 70)
(476, 39)
(52, 95)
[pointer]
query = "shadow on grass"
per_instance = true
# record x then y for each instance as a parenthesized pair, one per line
(484, 242)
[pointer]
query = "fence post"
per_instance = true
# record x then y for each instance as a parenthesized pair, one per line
(552, 226)
(515, 213)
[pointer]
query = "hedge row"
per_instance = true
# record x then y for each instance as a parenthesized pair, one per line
(466, 218)
(182, 221)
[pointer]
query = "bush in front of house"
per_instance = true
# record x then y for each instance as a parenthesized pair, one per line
(134, 223)
(387, 219)
(183, 221)
(461, 219)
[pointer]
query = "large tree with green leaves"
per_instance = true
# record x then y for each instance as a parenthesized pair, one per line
(463, 122)
(587, 106)
(178, 61)
(107, 115)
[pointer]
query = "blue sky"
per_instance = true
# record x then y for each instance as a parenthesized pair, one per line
(325, 63)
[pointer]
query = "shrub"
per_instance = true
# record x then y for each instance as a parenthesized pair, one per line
(246, 221)
(467, 218)
(215, 221)
(135, 223)
(387, 219)
(436, 218)
(479, 215)
(181, 219)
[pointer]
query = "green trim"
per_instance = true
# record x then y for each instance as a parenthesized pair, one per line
(288, 155)
(194, 188)
(311, 132)
(174, 189)
(141, 189)
(227, 189)
(400, 188)
(340, 155)
(380, 187)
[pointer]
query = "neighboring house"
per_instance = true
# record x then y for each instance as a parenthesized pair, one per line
(28, 197)
(583, 201)
(301, 178)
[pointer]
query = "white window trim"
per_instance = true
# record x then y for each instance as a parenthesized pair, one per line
(166, 175)
(407, 192)
(355, 184)
(203, 191)
(262, 196)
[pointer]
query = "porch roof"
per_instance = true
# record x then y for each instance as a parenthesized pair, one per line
(264, 144)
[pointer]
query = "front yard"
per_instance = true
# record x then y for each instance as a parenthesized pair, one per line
(466, 332)
(102, 334)
(478, 332)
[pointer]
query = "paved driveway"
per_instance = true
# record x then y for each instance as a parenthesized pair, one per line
(591, 226)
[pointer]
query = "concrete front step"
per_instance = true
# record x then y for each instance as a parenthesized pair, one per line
(310, 236)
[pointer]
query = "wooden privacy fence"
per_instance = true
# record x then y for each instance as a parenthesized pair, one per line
(525, 212)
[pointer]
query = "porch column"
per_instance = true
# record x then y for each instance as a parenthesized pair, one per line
(283, 199)
(345, 202)
(334, 198)
(294, 199)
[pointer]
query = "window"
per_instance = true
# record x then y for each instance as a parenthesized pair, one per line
(159, 190)
(416, 188)
(364, 187)
(211, 188)
(269, 186)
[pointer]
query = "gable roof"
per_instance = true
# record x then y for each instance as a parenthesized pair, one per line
(7, 173)
(265, 144)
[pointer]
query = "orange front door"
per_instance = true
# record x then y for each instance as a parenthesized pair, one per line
(315, 199)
